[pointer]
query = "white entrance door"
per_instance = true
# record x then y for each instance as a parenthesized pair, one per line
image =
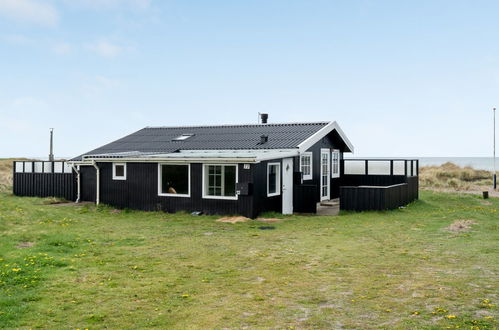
(287, 186)
(325, 180)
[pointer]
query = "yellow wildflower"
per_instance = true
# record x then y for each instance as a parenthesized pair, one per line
(450, 316)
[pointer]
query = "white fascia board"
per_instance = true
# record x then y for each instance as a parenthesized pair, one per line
(278, 155)
(166, 160)
(305, 145)
(246, 156)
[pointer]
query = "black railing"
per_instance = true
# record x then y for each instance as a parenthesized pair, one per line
(406, 167)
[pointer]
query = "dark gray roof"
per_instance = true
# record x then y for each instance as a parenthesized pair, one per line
(161, 139)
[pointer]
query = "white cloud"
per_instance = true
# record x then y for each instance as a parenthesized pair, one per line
(110, 4)
(30, 11)
(62, 48)
(105, 48)
(17, 39)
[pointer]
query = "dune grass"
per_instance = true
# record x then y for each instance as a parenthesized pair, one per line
(94, 267)
(452, 176)
(6, 173)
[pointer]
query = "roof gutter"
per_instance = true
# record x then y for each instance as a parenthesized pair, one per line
(91, 161)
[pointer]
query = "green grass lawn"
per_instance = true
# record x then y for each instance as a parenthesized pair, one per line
(90, 267)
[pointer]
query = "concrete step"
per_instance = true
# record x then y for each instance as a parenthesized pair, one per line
(331, 202)
(328, 210)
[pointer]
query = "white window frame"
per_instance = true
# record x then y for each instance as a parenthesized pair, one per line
(278, 183)
(160, 180)
(308, 154)
(337, 153)
(115, 177)
(205, 173)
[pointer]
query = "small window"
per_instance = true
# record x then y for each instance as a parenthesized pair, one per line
(219, 181)
(174, 180)
(273, 179)
(335, 164)
(183, 137)
(119, 171)
(306, 165)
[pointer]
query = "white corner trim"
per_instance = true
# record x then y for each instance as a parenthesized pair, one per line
(311, 155)
(115, 177)
(305, 145)
(278, 183)
(160, 176)
(203, 182)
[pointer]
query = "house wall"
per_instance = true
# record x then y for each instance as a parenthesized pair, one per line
(261, 202)
(140, 191)
(88, 181)
(325, 143)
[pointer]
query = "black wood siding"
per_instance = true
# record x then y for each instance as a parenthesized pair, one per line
(88, 181)
(261, 202)
(325, 143)
(140, 191)
(379, 192)
(45, 185)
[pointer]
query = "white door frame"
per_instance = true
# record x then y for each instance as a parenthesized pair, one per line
(287, 186)
(325, 174)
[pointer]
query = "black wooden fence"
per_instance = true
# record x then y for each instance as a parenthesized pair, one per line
(44, 179)
(378, 184)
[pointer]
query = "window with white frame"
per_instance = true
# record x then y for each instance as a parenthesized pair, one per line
(335, 164)
(306, 165)
(174, 180)
(119, 171)
(273, 179)
(219, 181)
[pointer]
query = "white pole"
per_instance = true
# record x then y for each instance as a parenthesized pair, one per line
(495, 174)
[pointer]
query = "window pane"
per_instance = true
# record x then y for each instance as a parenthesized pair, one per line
(272, 179)
(305, 165)
(19, 167)
(175, 179)
(119, 170)
(28, 167)
(230, 181)
(58, 167)
(47, 167)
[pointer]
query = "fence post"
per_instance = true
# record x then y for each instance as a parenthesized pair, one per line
(391, 167)
(367, 167)
(405, 168)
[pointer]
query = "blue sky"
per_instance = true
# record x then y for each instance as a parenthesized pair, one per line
(402, 78)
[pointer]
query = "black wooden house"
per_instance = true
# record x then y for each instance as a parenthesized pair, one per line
(229, 169)
(226, 169)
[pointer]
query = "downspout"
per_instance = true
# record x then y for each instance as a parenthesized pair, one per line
(77, 183)
(97, 194)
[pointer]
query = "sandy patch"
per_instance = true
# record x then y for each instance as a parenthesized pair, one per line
(460, 226)
(268, 219)
(233, 219)
(24, 245)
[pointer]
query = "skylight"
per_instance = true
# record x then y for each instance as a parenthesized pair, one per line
(183, 137)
